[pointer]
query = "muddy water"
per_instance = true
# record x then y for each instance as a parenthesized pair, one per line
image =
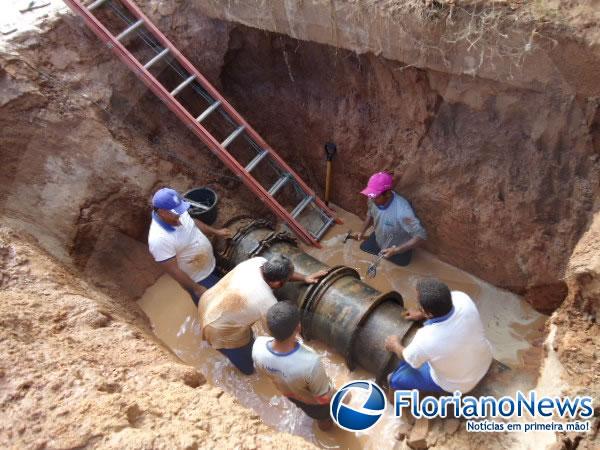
(513, 328)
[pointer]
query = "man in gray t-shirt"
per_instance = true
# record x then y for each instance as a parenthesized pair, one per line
(397, 230)
(294, 368)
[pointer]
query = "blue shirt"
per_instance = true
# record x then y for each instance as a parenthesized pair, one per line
(395, 223)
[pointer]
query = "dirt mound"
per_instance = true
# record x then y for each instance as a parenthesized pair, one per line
(78, 370)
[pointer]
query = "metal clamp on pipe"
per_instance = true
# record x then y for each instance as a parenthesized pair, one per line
(272, 239)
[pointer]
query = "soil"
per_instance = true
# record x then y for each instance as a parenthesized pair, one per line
(80, 370)
(493, 136)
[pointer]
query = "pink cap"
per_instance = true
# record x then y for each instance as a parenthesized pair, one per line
(378, 184)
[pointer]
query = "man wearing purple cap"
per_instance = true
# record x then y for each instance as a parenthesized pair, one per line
(180, 245)
(397, 230)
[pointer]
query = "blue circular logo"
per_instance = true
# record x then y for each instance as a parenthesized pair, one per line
(363, 418)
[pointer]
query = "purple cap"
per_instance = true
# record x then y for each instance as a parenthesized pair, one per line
(378, 184)
(169, 199)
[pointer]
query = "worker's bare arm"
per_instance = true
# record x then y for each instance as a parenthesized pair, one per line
(360, 236)
(414, 314)
(393, 344)
(309, 279)
(170, 266)
(211, 231)
(415, 241)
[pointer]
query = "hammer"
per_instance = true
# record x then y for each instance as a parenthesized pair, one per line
(349, 235)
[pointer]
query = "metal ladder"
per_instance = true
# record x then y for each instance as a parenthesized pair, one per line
(164, 52)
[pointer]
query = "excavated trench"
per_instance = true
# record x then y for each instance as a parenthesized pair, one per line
(503, 174)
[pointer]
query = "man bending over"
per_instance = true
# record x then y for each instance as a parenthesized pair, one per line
(242, 297)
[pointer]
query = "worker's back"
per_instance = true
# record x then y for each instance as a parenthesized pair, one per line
(454, 345)
(228, 309)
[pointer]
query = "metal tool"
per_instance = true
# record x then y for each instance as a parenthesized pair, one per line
(349, 235)
(330, 151)
(372, 270)
(202, 206)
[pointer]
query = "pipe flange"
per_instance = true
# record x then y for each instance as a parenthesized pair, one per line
(309, 294)
(238, 218)
(375, 302)
(242, 232)
(269, 240)
(246, 229)
(313, 295)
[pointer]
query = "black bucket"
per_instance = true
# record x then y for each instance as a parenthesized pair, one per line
(206, 197)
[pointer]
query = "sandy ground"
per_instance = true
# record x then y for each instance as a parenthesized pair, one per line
(79, 371)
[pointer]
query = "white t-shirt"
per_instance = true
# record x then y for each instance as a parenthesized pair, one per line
(192, 248)
(456, 347)
(298, 374)
(229, 308)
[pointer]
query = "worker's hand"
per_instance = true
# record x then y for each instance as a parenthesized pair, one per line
(358, 236)
(315, 277)
(224, 233)
(393, 344)
(199, 290)
(414, 314)
(390, 251)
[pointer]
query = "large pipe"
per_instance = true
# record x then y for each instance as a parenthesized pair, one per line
(340, 311)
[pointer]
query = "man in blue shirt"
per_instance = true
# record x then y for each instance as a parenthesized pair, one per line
(397, 230)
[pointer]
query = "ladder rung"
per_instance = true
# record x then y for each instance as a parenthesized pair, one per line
(156, 58)
(232, 136)
(303, 204)
(257, 159)
(279, 184)
(179, 88)
(207, 111)
(323, 229)
(95, 4)
(131, 28)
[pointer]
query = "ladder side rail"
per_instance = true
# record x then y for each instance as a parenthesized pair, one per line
(160, 91)
(225, 105)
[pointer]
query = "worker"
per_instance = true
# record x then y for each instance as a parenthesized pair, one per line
(241, 298)
(397, 230)
(450, 352)
(295, 369)
(180, 244)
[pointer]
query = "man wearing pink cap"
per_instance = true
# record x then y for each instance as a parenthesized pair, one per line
(397, 230)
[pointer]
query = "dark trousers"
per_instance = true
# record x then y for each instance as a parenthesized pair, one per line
(371, 246)
(318, 412)
(208, 282)
(241, 357)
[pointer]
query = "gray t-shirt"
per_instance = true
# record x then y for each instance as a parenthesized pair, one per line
(395, 224)
(298, 374)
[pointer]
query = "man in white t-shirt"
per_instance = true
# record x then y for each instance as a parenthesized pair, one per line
(450, 353)
(179, 243)
(295, 369)
(242, 297)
